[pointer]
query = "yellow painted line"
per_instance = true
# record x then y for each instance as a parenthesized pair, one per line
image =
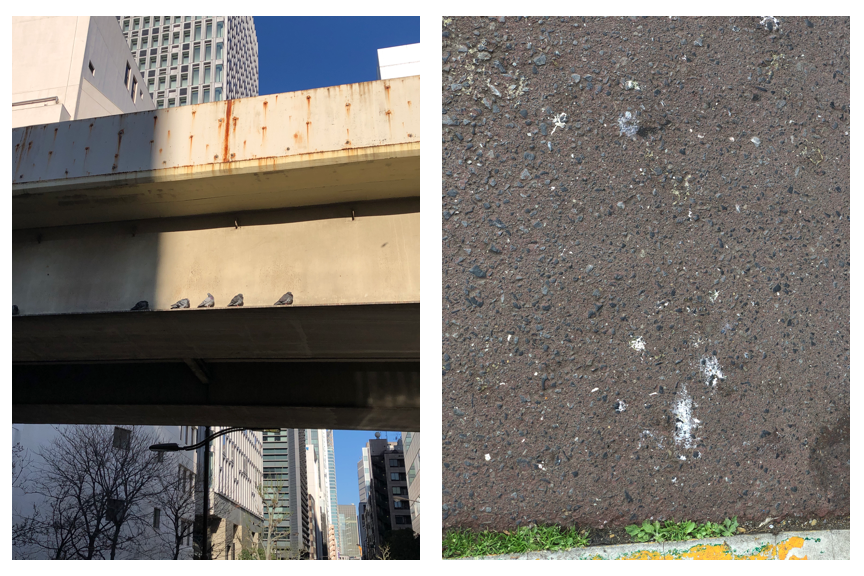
(785, 550)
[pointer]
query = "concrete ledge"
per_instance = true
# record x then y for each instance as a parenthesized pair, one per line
(817, 545)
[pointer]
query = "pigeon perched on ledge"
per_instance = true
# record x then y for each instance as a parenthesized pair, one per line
(14, 310)
(285, 300)
(183, 303)
(208, 302)
(236, 301)
(142, 305)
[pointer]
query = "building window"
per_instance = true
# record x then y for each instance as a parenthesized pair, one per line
(176, 19)
(163, 61)
(114, 510)
(185, 57)
(187, 35)
(176, 38)
(217, 95)
(195, 78)
(128, 75)
(171, 102)
(198, 32)
(209, 33)
(394, 476)
(162, 83)
(398, 504)
(194, 97)
(182, 103)
(218, 74)
(122, 438)
(219, 29)
(187, 18)
(397, 490)
(160, 104)
(151, 85)
(156, 518)
(146, 22)
(152, 62)
(206, 95)
(144, 42)
(92, 69)
(155, 21)
(135, 94)
(164, 39)
(206, 75)
(134, 44)
(125, 26)
(207, 52)
(184, 81)
(218, 50)
(142, 63)
(175, 57)
(403, 520)
(172, 83)
(135, 24)
(196, 54)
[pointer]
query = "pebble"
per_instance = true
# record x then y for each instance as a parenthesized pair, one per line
(576, 77)
(525, 174)
(755, 140)
(540, 60)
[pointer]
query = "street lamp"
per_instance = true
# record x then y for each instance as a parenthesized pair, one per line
(173, 447)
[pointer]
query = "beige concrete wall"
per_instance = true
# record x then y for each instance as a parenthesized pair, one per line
(39, 114)
(320, 254)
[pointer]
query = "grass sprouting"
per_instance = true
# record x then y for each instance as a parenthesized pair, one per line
(464, 543)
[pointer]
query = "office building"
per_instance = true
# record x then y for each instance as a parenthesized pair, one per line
(411, 443)
(236, 510)
(399, 61)
(350, 537)
(194, 59)
(286, 480)
(331, 479)
(72, 67)
(387, 506)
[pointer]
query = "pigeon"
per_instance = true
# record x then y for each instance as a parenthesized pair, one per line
(285, 300)
(142, 305)
(14, 310)
(183, 303)
(208, 302)
(237, 300)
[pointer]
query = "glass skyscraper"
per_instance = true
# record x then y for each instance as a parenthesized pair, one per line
(194, 59)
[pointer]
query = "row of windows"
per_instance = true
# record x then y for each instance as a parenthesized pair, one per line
(173, 102)
(184, 78)
(136, 24)
(180, 57)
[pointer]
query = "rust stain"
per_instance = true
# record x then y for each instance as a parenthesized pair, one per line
(190, 146)
(308, 106)
(169, 133)
(409, 104)
(55, 135)
(307, 132)
(228, 107)
(387, 94)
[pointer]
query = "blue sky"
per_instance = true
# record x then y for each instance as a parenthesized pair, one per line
(299, 53)
(348, 445)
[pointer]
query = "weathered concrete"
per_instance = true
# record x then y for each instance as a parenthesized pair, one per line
(344, 143)
(818, 545)
(323, 255)
(338, 395)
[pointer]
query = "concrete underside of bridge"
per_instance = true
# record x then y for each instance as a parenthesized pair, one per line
(313, 192)
(236, 367)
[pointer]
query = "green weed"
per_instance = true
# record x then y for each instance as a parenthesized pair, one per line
(464, 543)
(688, 530)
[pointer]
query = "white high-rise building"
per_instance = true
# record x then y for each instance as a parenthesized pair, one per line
(72, 67)
(411, 444)
(194, 59)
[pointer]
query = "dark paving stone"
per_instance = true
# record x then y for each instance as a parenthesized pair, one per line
(729, 264)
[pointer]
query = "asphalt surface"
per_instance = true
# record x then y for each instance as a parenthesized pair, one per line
(645, 316)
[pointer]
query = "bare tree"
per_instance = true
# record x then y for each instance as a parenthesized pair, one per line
(94, 481)
(176, 501)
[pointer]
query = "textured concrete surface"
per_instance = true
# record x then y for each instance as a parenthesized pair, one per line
(645, 316)
(819, 545)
